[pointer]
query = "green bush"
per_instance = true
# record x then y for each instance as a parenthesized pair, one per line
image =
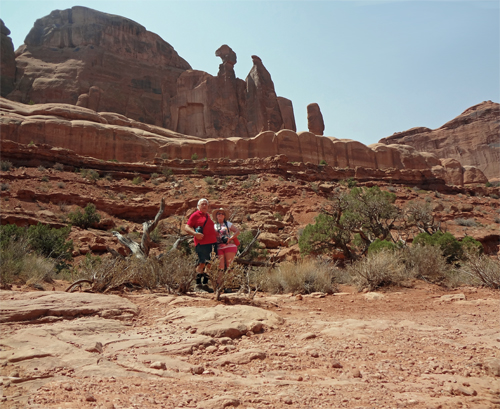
(209, 180)
(449, 245)
(20, 265)
(379, 245)
(85, 219)
(194, 156)
(245, 238)
(471, 245)
(51, 242)
(137, 180)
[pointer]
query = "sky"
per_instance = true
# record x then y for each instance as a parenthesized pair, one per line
(375, 67)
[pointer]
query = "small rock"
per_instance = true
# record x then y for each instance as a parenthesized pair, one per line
(14, 374)
(336, 364)
(67, 387)
(90, 398)
(96, 348)
(356, 373)
(197, 370)
(158, 365)
(307, 335)
(211, 349)
(298, 297)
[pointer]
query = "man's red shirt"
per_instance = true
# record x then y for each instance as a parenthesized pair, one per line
(197, 219)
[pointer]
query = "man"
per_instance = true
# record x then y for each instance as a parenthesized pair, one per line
(201, 227)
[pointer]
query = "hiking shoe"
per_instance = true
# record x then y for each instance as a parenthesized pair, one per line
(199, 288)
(206, 288)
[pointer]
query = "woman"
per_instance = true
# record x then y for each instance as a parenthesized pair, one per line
(226, 235)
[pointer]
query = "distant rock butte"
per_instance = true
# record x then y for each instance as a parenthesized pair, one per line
(472, 138)
(109, 63)
(110, 136)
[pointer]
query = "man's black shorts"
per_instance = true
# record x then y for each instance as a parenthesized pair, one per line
(204, 252)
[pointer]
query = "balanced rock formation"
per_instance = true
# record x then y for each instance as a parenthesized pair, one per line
(108, 63)
(7, 61)
(315, 122)
(109, 136)
(472, 138)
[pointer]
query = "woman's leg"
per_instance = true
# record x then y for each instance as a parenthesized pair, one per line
(229, 257)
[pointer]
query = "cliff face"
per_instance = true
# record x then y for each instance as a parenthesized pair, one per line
(110, 136)
(472, 138)
(7, 61)
(108, 63)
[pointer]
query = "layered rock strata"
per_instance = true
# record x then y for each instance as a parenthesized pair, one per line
(472, 138)
(109, 136)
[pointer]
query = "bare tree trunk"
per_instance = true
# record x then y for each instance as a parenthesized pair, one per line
(142, 250)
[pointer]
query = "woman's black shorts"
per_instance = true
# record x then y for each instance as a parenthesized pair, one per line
(204, 252)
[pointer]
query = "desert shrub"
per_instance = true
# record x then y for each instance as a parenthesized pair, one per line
(5, 165)
(167, 172)
(466, 222)
(137, 180)
(471, 245)
(379, 245)
(245, 238)
(378, 269)
(85, 219)
(427, 263)
(278, 216)
(449, 245)
(4, 187)
(323, 162)
(90, 174)
(174, 272)
(59, 167)
(51, 242)
(21, 265)
(303, 277)
(194, 156)
(482, 269)
(209, 180)
(41, 239)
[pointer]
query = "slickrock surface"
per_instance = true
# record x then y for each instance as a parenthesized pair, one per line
(420, 348)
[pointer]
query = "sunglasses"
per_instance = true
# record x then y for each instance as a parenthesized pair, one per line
(220, 214)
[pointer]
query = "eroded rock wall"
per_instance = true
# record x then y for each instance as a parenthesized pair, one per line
(109, 136)
(472, 138)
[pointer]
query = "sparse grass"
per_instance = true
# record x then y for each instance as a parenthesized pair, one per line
(303, 277)
(20, 265)
(466, 222)
(4, 186)
(59, 167)
(209, 180)
(426, 263)
(45, 178)
(378, 269)
(482, 269)
(137, 180)
(41, 168)
(61, 185)
(278, 216)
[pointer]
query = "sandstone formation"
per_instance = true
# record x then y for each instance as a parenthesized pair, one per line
(7, 61)
(472, 138)
(109, 136)
(108, 63)
(315, 122)
(100, 61)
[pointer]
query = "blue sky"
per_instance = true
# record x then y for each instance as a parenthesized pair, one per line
(374, 67)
